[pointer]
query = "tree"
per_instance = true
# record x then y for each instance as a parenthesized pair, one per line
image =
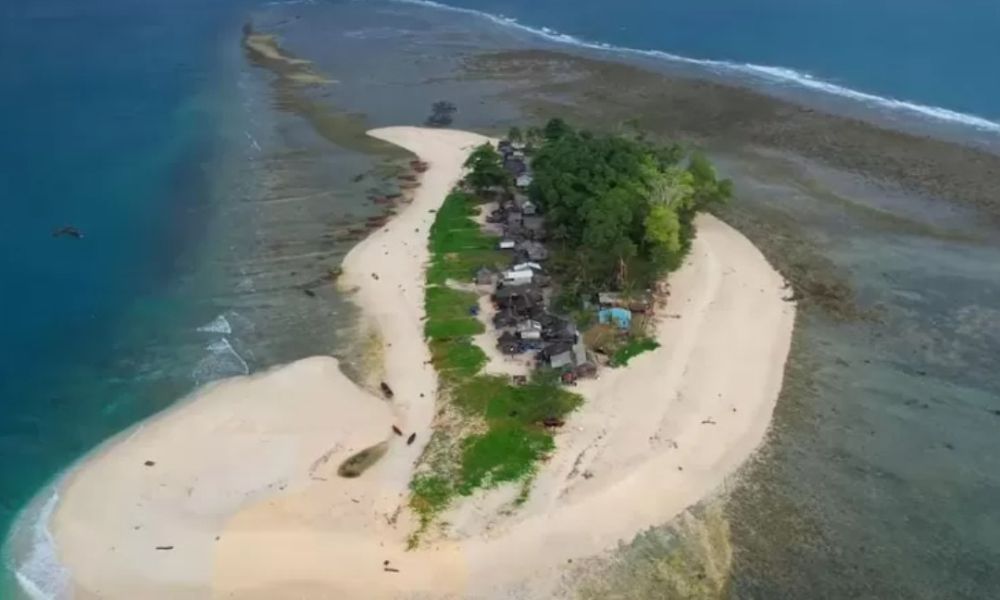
(555, 129)
(673, 188)
(708, 189)
(442, 113)
(486, 169)
(514, 135)
(663, 235)
(619, 211)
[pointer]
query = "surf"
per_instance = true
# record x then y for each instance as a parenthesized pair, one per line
(34, 560)
(771, 75)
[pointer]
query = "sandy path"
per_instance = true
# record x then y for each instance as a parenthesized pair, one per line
(250, 461)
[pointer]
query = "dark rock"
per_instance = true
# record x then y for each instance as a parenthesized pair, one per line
(68, 231)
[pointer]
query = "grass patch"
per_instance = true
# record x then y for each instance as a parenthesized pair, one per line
(632, 348)
(506, 452)
(448, 314)
(456, 360)
(457, 244)
(507, 437)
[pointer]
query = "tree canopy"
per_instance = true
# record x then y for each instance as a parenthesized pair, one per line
(442, 113)
(619, 211)
(486, 169)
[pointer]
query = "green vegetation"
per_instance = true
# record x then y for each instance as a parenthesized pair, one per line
(457, 245)
(486, 169)
(499, 436)
(632, 348)
(514, 135)
(620, 211)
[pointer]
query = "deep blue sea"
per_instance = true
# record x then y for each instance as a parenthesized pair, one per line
(123, 118)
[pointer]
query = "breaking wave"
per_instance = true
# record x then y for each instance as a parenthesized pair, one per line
(222, 361)
(219, 324)
(769, 74)
(36, 564)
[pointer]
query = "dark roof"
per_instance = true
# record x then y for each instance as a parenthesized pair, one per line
(556, 348)
(534, 222)
(513, 291)
(515, 166)
(507, 337)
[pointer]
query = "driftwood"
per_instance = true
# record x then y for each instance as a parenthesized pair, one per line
(164, 547)
(386, 390)
(397, 430)
(553, 422)
(410, 439)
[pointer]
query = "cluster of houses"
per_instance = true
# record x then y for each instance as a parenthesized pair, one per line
(521, 290)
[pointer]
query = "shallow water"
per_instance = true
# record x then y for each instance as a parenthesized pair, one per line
(882, 459)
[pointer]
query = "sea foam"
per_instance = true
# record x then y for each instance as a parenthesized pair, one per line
(764, 73)
(222, 361)
(36, 564)
(219, 324)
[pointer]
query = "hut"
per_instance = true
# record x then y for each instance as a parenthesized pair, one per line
(485, 276)
(524, 204)
(526, 266)
(529, 325)
(520, 299)
(523, 180)
(505, 319)
(522, 277)
(515, 166)
(507, 244)
(534, 226)
(508, 343)
(534, 251)
(610, 299)
(561, 360)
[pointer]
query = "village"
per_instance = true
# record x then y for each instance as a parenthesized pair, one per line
(521, 295)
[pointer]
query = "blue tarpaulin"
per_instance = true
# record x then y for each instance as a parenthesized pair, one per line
(622, 317)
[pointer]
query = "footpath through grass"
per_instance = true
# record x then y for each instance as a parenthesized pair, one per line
(497, 434)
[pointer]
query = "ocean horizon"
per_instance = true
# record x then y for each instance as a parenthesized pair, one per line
(143, 127)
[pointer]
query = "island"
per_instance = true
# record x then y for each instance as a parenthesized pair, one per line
(479, 461)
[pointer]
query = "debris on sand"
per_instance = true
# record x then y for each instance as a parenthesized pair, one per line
(361, 461)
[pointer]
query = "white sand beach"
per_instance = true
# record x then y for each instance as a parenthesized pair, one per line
(242, 499)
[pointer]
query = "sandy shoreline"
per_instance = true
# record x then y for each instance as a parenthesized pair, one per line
(243, 488)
